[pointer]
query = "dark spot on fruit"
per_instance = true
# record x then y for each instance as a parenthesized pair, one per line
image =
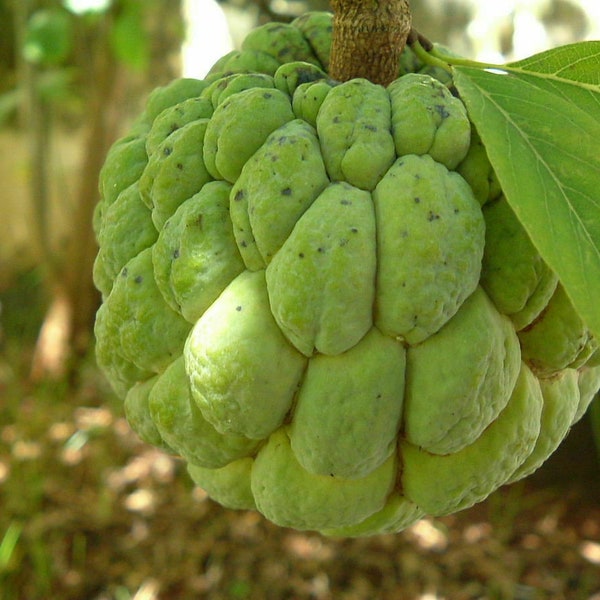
(243, 244)
(353, 229)
(286, 191)
(167, 150)
(336, 119)
(124, 272)
(301, 255)
(176, 253)
(370, 127)
(138, 279)
(345, 202)
(267, 95)
(321, 250)
(343, 242)
(431, 216)
(417, 200)
(179, 166)
(442, 111)
(238, 308)
(239, 196)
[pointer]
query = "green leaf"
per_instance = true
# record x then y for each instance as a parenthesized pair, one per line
(48, 37)
(539, 120)
(130, 40)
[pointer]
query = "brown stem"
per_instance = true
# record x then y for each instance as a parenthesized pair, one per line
(368, 38)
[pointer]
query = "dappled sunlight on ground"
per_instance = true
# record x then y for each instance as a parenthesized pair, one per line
(88, 511)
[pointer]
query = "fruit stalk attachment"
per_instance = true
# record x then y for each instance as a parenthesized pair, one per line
(368, 38)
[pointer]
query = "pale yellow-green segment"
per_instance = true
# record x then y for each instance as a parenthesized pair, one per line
(117, 246)
(138, 416)
(242, 370)
(561, 399)
(430, 238)
(461, 378)
(181, 425)
(478, 172)
(282, 41)
(428, 119)
(321, 282)
(589, 385)
(316, 26)
(124, 163)
(558, 338)
(441, 485)
(195, 256)
(175, 171)
(276, 186)
(244, 61)
(239, 127)
(354, 130)
(175, 117)
(137, 333)
(290, 496)
(293, 74)
(397, 514)
(348, 410)
(222, 88)
(229, 485)
(308, 98)
(513, 273)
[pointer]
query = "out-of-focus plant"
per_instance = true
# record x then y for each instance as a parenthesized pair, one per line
(79, 66)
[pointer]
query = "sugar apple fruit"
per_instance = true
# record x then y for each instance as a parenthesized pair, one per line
(316, 294)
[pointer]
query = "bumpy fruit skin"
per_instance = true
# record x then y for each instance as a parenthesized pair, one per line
(316, 294)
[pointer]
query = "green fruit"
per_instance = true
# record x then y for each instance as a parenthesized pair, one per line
(239, 127)
(290, 496)
(277, 185)
(228, 346)
(430, 236)
(284, 42)
(355, 430)
(428, 120)
(316, 294)
(561, 401)
(353, 125)
(179, 422)
(397, 514)
(228, 485)
(137, 412)
(317, 27)
(195, 256)
(558, 338)
(321, 282)
(476, 355)
(127, 211)
(589, 384)
(513, 273)
(444, 484)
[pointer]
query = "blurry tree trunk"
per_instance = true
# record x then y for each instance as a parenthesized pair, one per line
(67, 326)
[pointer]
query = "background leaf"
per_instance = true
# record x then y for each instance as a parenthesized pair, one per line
(540, 123)
(129, 39)
(49, 37)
